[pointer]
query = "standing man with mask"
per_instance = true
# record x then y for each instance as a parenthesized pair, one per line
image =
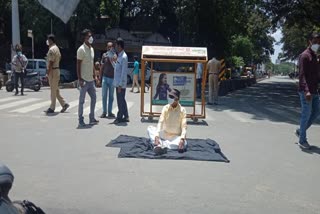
(120, 82)
(214, 67)
(86, 75)
(107, 75)
(53, 74)
(19, 63)
(309, 69)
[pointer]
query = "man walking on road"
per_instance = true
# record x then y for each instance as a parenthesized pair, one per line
(107, 74)
(53, 74)
(120, 82)
(86, 74)
(309, 70)
(19, 63)
(214, 67)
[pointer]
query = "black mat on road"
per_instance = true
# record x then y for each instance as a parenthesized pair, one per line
(140, 147)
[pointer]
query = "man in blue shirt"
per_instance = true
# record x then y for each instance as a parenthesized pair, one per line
(120, 82)
(135, 75)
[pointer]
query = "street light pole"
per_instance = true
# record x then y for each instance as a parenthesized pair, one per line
(15, 25)
(30, 34)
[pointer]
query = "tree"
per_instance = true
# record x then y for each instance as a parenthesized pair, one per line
(243, 47)
(237, 61)
(298, 12)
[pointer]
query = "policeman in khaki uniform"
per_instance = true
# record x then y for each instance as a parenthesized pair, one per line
(53, 73)
(214, 67)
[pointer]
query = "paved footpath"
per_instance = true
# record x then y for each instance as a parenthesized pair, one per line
(68, 170)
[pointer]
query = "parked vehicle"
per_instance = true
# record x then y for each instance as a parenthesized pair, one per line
(130, 73)
(31, 80)
(40, 66)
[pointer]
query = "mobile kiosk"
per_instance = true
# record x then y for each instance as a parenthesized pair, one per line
(163, 79)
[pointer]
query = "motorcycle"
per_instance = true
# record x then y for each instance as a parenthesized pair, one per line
(31, 80)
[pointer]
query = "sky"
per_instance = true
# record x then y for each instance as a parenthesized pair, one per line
(277, 47)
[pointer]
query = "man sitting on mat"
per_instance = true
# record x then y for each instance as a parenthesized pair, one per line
(172, 126)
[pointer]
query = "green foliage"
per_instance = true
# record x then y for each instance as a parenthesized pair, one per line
(237, 61)
(283, 68)
(297, 19)
(242, 46)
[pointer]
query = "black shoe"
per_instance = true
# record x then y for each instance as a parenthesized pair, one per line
(117, 121)
(49, 111)
(16, 93)
(110, 115)
(94, 122)
(65, 107)
(81, 124)
(126, 120)
(22, 94)
(103, 115)
(304, 145)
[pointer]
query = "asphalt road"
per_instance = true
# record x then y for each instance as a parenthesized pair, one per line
(67, 170)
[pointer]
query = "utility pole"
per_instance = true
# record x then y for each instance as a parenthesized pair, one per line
(30, 35)
(15, 26)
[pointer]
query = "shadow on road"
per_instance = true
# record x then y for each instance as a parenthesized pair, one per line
(276, 100)
(312, 150)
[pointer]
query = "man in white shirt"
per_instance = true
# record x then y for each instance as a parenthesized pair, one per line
(172, 126)
(86, 75)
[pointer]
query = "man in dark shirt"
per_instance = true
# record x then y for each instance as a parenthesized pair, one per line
(309, 69)
(107, 75)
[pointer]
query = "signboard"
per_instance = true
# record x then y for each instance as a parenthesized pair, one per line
(169, 51)
(30, 34)
(164, 82)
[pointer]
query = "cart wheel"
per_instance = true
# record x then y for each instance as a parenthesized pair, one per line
(195, 119)
(150, 118)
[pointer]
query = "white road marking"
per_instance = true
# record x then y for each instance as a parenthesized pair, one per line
(73, 104)
(32, 107)
(17, 103)
(8, 99)
(86, 111)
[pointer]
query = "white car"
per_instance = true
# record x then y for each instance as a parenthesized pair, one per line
(130, 73)
(40, 66)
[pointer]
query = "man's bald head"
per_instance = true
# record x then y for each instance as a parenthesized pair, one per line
(109, 46)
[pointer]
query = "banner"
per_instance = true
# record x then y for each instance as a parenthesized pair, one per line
(61, 8)
(164, 82)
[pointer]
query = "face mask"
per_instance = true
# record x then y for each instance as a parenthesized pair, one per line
(170, 101)
(90, 40)
(315, 47)
(47, 42)
(19, 53)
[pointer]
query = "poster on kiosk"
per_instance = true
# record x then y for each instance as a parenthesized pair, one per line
(164, 82)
